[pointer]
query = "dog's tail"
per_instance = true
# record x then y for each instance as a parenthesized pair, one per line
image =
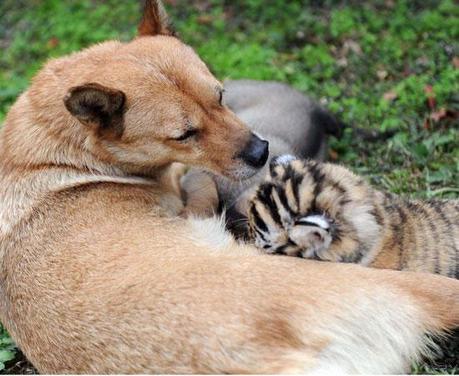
(438, 299)
(334, 126)
(325, 120)
(388, 332)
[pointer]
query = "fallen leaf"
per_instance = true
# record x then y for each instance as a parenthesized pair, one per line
(342, 62)
(202, 5)
(390, 3)
(52, 42)
(381, 74)
(428, 90)
(333, 155)
(390, 95)
(426, 124)
(323, 101)
(439, 115)
(456, 62)
(351, 45)
(300, 34)
(443, 114)
(407, 71)
(423, 61)
(205, 19)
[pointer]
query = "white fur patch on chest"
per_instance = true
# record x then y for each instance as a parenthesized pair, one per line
(210, 232)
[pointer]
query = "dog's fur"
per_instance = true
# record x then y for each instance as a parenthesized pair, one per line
(99, 275)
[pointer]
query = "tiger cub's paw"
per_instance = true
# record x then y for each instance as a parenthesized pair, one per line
(305, 208)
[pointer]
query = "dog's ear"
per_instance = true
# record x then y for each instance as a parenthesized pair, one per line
(155, 20)
(99, 107)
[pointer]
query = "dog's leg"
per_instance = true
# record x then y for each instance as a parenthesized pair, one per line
(196, 189)
(201, 196)
(170, 179)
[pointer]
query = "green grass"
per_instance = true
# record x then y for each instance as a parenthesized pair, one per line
(348, 55)
(7, 348)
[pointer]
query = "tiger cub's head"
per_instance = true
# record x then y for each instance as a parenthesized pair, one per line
(313, 210)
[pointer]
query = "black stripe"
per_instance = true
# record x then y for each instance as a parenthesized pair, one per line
(295, 180)
(401, 227)
(318, 178)
(354, 258)
(336, 185)
(398, 230)
(344, 201)
(280, 250)
(438, 205)
(360, 183)
(376, 213)
(342, 192)
(416, 208)
(335, 230)
(284, 201)
(274, 210)
(258, 221)
(273, 172)
(288, 172)
(266, 198)
(306, 223)
(260, 234)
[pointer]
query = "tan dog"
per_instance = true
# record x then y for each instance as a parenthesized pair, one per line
(98, 275)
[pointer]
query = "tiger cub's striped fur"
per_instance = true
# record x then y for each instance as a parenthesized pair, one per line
(323, 211)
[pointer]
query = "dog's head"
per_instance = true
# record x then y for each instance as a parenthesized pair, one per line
(152, 101)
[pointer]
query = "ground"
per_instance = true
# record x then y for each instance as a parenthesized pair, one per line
(383, 65)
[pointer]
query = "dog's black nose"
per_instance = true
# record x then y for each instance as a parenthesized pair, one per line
(256, 152)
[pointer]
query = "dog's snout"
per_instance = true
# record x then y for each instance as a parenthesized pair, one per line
(255, 152)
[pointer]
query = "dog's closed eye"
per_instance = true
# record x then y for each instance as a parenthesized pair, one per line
(220, 98)
(189, 133)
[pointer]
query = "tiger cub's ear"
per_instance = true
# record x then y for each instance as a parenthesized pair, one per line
(280, 160)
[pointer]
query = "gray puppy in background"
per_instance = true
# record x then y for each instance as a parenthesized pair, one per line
(291, 122)
(285, 117)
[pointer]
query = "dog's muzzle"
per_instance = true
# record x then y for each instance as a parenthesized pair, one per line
(256, 152)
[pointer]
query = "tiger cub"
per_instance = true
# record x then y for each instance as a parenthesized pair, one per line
(325, 212)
